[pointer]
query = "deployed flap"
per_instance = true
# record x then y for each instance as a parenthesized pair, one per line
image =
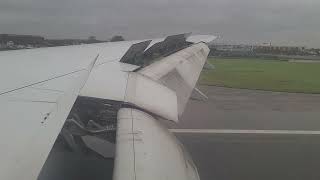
(179, 71)
(146, 150)
(31, 119)
(151, 96)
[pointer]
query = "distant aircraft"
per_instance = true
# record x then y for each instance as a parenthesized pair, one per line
(120, 92)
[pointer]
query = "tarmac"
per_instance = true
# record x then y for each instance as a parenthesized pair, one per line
(240, 134)
(229, 108)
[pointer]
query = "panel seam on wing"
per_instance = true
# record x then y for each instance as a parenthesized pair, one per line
(133, 146)
(56, 77)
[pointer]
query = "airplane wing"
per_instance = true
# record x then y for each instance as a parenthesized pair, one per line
(92, 90)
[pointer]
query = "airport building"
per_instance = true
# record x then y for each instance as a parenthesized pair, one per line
(290, 50)
(21, 39)
(254, 50)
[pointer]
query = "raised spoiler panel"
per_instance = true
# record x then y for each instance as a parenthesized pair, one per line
(145, 150)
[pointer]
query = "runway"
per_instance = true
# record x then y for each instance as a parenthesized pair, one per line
(243, 134)
(254, 156)
(229, 108)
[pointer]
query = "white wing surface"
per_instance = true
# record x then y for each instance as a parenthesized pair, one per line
(148, 80)
(31, 117)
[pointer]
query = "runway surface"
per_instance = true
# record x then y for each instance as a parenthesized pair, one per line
(236, 135)
(229, 108)
(241, 134)
(254, 156)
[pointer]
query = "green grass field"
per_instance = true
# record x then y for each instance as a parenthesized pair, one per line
(270, 75)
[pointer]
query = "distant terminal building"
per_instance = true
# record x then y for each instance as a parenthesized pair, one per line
(229, 47)
(255, 50)
(21, 39)
(231, 50)
(63, 42)
(287, 50)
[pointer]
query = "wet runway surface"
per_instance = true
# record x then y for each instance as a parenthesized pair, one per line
(254, 157)
(229, 108)
(225, 156)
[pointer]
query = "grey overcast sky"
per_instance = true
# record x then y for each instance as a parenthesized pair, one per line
(283, 22)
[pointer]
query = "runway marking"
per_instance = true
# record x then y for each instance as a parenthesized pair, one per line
(238, 131)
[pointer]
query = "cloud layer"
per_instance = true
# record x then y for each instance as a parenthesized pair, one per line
(284, 22)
